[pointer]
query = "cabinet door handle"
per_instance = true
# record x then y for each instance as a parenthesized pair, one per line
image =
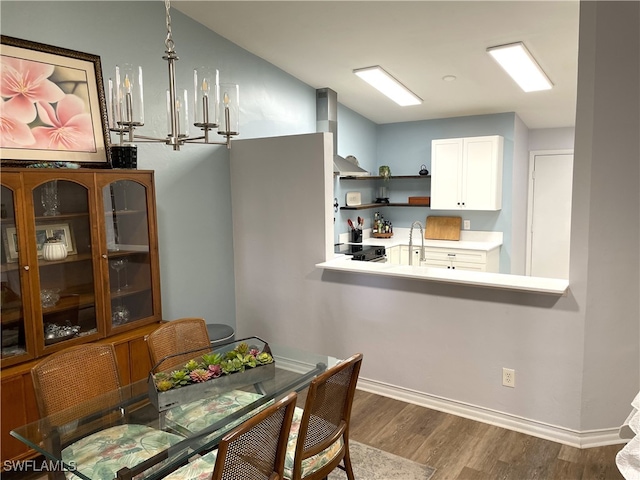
(26, 267)
(104, 255)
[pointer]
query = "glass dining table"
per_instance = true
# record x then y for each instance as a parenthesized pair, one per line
(177, 411)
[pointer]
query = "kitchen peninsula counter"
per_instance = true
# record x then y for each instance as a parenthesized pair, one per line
(471, 241)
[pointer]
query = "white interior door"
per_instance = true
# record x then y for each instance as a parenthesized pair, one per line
(549, 219)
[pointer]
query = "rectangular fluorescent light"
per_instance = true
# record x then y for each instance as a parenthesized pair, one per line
(521, 66)
(388, 85)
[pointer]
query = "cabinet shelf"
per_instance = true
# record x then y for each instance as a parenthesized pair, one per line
(42, 219)
(380, 205)
(378, 177)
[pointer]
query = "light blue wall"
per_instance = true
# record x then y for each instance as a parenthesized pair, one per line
(193, 192)
(406, 146)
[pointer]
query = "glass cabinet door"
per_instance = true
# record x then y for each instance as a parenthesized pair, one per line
(17, 343)
(129, 254)
(64, 249)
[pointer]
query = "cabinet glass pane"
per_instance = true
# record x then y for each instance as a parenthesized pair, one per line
(127, 229)
(63, 243)
(13, 326)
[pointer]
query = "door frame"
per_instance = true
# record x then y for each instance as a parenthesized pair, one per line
(532, 156)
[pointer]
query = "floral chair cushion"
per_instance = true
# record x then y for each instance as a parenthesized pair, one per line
(310, 464)
(199, 469)
(99, 456)
(196, 416)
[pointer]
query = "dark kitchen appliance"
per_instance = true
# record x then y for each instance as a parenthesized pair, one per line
(362, 253)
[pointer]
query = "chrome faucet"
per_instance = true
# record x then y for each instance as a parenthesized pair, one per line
(411, 242)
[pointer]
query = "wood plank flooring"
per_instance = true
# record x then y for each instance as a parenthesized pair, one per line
(462, 449)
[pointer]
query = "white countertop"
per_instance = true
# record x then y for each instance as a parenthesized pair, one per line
(481, 279)
(470, 240)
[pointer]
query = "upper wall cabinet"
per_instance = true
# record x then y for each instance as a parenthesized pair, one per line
(466, 173)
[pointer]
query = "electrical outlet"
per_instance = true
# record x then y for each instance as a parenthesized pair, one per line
(467, 225)
(508, 377)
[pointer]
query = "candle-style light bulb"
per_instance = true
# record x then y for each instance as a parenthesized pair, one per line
(205, 101)
(128, 99)
(227, 122)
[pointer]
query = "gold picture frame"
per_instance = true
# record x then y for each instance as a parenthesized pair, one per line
(67, 81)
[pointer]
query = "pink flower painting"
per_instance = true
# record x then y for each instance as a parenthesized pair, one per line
(43, 107)
(67, 127)
(13, 132)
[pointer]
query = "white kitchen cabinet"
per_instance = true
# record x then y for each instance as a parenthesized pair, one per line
(466, 173)
(460, 259)
(393, 255)
(445, 257)
(404, 255)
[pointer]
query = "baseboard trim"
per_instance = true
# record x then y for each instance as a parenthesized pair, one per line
(578, 439)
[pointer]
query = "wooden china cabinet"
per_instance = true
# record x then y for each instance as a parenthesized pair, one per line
(106, 288)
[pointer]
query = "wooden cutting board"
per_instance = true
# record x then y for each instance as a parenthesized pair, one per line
(443, 228)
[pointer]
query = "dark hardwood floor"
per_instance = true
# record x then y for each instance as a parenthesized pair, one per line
(462, 449)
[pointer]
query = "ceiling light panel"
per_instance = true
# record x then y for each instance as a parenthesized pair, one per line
(516, 60)
(385, 83)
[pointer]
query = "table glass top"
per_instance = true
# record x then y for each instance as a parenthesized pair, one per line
(194, 416)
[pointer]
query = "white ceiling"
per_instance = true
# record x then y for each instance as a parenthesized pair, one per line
(418, 42)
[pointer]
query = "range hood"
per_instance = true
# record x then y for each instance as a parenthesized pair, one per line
(327, 121)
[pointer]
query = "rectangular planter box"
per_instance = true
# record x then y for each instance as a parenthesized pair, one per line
(197, 391)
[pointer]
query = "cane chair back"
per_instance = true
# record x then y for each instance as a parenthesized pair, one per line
(101, 382)
(255, 450)
(319, 438)
(175, 337)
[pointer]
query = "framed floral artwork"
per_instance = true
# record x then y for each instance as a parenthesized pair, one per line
(52, 105)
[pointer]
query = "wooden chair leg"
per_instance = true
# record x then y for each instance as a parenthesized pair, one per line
(347, 464)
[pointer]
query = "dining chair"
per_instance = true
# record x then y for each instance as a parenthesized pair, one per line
(319, 438)
(166, 345)
(80, 381)
(175, 337)
(254, 450)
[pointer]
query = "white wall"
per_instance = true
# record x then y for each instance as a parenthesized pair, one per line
(519, 188)
(607, 195)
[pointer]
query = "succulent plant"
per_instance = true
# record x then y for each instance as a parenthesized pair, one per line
(264, 358)
(249, 361)
(164, 385)
(213, 365)
(191, 365)
(215, 370)
(200, 375)
(180, 378)
(209, 359)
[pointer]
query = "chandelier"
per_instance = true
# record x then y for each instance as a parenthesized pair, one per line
(213, 106)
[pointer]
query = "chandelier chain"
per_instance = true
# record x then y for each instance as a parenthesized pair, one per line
(169, 43)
